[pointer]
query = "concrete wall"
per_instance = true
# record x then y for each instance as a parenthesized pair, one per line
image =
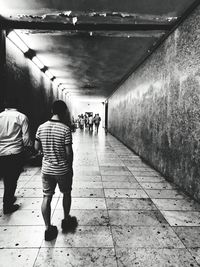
(156, 111)
(34, 91)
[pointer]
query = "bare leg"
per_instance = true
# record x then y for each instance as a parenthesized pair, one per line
(66, 204)
(46, 210)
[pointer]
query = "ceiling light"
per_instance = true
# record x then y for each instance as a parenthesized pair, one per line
(49, 74)
(37, 62)
(14, 37)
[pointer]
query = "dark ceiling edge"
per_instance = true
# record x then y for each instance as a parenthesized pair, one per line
(33, 25)
(152, 49)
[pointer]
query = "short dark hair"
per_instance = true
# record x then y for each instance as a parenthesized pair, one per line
(11, 102)
(59, 107)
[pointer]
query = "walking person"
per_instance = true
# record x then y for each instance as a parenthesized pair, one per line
(14, 140)
(90, 123)
(82, 122)
(97, 120)
(55, 139)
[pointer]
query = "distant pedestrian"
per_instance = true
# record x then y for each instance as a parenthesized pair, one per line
(97, 120)
(55, 139)
(82, 122)
(90, 120)
(14, 140)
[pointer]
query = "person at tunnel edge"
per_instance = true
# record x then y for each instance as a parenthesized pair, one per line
(54, 138)
(14, 140)
(97, 120)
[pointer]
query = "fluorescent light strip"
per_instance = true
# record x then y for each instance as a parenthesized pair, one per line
(48, 73)
(37, 62)
(14, 37)
(19, 43)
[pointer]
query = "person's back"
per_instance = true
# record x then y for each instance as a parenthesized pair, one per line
(97, 119)
(53, 136)
(90, 120)
(13, 132)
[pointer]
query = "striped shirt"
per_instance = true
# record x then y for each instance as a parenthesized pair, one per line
(54, 136)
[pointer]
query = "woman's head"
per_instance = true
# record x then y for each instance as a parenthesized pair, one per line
(60, 108)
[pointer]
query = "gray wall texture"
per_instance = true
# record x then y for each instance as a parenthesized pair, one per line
(156, 111)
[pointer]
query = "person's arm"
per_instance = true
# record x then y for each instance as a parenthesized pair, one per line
(68, 147)
(37, 145)
(25, 133)
(69, 154)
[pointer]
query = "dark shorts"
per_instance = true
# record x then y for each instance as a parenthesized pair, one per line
(50, 181)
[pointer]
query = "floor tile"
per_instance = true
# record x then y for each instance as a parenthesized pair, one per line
(120, 178)
(30, 171)
(161, 185)
(21, 236)
(110, 162)
(85, 203)
(145, 237)
(136, 218)
(34, 203)
(85, 184)
(190, 236)
(88, 170)
(37, 177)
(87, 192)
(195, 252)
(116, 170)
(85, 162)
(33, 192)
(121, 185)
(85, 236)
(33, 184)
(125, 193)
(20, 184)
(84, 217)
(139, 168)
(145, 174)
(165, 194)
(130, 204)
(88, 178)
(22, 217)
(76, 257)
(18, 257)
(155, 258)
(149, 179)
(182, 218)
(177, 204)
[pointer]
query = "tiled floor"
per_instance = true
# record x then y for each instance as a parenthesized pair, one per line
(128, 215)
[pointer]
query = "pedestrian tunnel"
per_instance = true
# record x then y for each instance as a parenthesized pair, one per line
(136, 64)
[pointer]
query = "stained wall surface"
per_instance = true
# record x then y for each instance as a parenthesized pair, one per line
(156, 111)
(34, 91)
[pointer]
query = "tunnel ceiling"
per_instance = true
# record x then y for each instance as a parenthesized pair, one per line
(92, 46)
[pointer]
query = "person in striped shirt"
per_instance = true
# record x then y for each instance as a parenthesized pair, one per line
(54, 139)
